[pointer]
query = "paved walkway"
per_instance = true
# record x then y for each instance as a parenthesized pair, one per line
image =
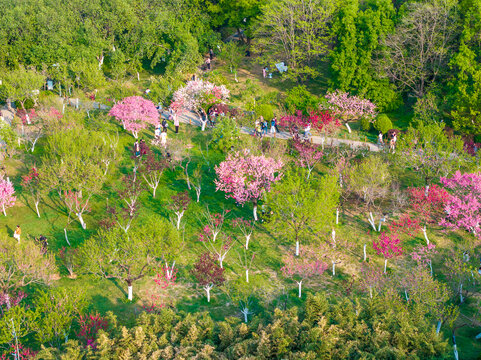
(192, 118)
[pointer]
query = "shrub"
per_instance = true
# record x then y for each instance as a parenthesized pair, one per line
(383, 123)
(265, 110)
(365, 124)
(299, 98)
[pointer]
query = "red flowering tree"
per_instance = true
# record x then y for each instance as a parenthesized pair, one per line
(322, 121)
(305, 266)
(31, 183)
(89, 328)
(428, 203)
(246, 177)
(135, 113)
(180, 203)
(308, 155)
(7, 199)
(463, 208)
(208, 273)
(347, 107)
(388, 246)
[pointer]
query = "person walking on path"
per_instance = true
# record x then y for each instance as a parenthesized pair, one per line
(264, 128)
(136, 148)
(176, 123)
(211, 54)
(264, 72)
(163, 138)
(165, 124)
(307, 131)
(157, 131)
(379, 139)
(207, 62)
(258, 129)
(274, 126)
(17, 233)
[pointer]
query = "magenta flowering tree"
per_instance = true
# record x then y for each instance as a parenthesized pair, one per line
(423, 255)
(371, 278)
(463, 208)
(246, 177)
(388, 246)
(305, 266)
(349, 108)
(7, 199)
(135, 113)
(198, 96)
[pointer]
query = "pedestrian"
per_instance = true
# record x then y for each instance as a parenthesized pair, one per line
(17, 233)
(273, 125)
(207, 62)
(136, 148)
(264, 72)
(157, 131)
(165, 124)
(176, 123)
(211, 54)
(258, 129)
(142, 147)
(379, 139)
(264, 128)
(163, 138)
(307, 131)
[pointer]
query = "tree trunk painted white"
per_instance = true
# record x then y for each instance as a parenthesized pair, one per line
(337, 216)
(207, 290)
(333, 235)
(299, 283)
(130, 290)
(179, 217)
(370, 291)
(138, 76)
(154, 189)
(197, 192)
(187, 178)
(77, 103)
(32, 149)
(348, 128)
(333, 268)
(461, 298)
(66, 237)
(381, 220)
(4, 212)
(406, 295)
(340, 180)
(135, 134)
(255, 212)
(425, 234)
(203, 125)
(82, 222)
(371, 221)
(88, 113)
(297, 248)
(385, 265)
(364, 251)
(169, 270)
(245, 311)
(36, 208)
(214, 235)
(247, 275)
(63, 109)
(456, 356)
(248, 237)
(438, 328)
(431, 267)
(477, 337)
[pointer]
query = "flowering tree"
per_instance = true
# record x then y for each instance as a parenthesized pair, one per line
(208, 273)
(308, 155)
(89, 328)
(31, 182)
(180, 203)
(371, 278)
(214, 222)
(322, 121)
(152, 170)
(388, 246)
(429, 204)
(219, 249)
(423, 256)
(246, 178)
(348, 108)
(135, 113)
(463, 207)
(300, 268)
(7, 199)
(246, 227)
(198, 96)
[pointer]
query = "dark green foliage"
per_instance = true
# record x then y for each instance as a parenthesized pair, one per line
(365, 124)
(299, 98)
(265, 110)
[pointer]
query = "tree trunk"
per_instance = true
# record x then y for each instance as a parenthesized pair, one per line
(245, 311)
(203, 125)
(438, 328)
(337, 216)
(187, 177)
(207, 290)
(138, 76)
(406, 295)
(297, 247)
(248, 237)
(130, 290)
(333, 235)
(36, 208)
(370, 291)
(82, 222)
(426, 191)
(32, 149)
(247, 275)
(461, 298)
(333, 268)
(364, 251)
(197, 192)
(66, 237)
(4, 212)
(381, 220)
(179, 217)
(300, 288)
(431, 267)
(385, 265)
(348, 128)
(154, 188)
(425, 234)
(371, 221)
(255, 212)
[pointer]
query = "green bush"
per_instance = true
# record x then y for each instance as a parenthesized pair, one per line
(265, 110)
(299, 98)
(365, 124)
(383, 123)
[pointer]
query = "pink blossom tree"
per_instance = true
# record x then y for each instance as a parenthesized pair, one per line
(308, 155)
(198, 96)
(31, 183)
(208, 273)
(7, 199)
(214, 222)
(428, 204)
(463, 208)
(305, 266)
(349, 108)
(321, 121)
(371, 278)
(423, 255)
(388, 246)
(135, 113)
(246, 177)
